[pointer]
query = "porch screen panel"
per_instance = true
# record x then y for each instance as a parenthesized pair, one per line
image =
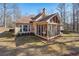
(53, 30)
(49, 30)
(42, 30)
(58, 30)
(37, 30)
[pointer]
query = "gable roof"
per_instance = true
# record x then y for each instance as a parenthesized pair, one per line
(47, 17)
(29, 19)
(24, 20)
(37, 16)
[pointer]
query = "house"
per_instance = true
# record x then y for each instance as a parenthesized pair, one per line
(42, 25)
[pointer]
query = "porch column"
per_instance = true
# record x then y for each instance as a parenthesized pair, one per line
(22, 28)
(29, 28)
(43, 30)
(48, 31)
(35, 28)
(51, 29)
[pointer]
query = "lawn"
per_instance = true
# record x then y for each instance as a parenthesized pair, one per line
(7, 44)
(33, 45)
(32, 40)
(67, 44)
(71, 35)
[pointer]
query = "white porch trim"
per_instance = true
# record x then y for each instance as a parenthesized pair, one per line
(28, 27)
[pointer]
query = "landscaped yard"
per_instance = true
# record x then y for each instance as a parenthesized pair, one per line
(64, 45)
(7, 44)
(68, 44)
(31, 40)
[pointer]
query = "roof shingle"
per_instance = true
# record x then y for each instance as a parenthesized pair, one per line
(34, 18)
(24, 20)
(46, 18)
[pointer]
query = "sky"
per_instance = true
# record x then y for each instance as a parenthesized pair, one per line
(35, 8)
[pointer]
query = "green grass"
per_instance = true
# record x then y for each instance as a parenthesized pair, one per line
(71, 35)
(33, 40)
(59, 49)
(7, 37)
(7, 34)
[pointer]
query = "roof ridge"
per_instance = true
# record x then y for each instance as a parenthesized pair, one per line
(47, 17)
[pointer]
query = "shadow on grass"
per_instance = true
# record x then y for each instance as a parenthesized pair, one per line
(7, 41)
(21, 40)
(74, 51)
(43, 50)
(4, 51)
(6, 34)
(70, 36)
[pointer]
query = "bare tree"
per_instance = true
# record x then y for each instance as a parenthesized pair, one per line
(70, 17)
(4, 12)
(16, 12)
(75, 17)
(9, 13)
(62, 11)
(5, 8)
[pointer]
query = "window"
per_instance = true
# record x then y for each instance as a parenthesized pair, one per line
(25, 28)
(20, 28)
(29, 27)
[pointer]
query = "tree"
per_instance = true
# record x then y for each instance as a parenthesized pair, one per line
(69, 14)
(75, 17)
(5, 8)
(62, 11)
(9, 13)
(16, 12)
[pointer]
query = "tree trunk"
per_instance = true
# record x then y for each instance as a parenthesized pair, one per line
(4, 18)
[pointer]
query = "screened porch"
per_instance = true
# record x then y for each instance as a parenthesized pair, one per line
(47, 30)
